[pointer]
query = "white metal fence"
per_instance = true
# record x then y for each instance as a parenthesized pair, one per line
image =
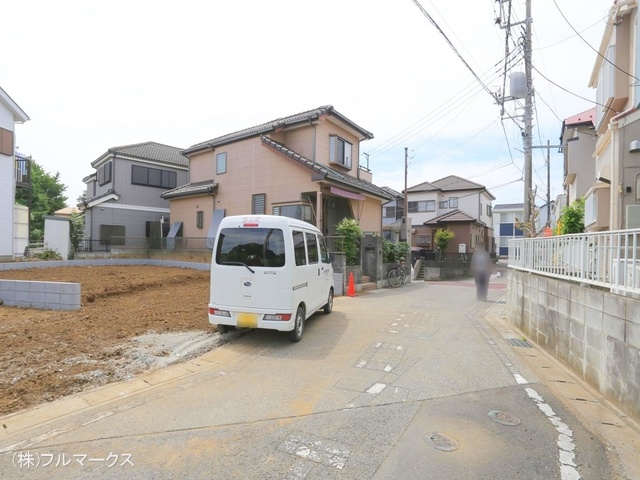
(607, 259)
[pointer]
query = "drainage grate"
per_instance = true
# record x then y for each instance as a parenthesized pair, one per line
(516, 342)
(442, 442)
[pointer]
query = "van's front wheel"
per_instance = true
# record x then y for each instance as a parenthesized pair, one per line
(296, 333)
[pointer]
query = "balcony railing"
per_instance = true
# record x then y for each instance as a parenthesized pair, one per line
(606, 259)
(22, 171)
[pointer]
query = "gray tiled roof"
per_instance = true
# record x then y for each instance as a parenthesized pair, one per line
(303, 117)
(392, 192)
(423, 187)
(327, 172)
(508, 206)
(453, 182)
(453, 216)
(195, 188)
(156, 152)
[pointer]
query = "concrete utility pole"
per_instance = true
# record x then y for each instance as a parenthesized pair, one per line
(528, 114)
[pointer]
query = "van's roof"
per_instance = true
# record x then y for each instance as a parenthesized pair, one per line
(265, 221)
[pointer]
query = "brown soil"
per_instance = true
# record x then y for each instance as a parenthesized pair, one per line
(48, 354)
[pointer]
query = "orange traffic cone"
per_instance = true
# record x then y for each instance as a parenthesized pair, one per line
(351, 290)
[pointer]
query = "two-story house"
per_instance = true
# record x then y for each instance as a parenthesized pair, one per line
(11, 172)
(613, 200)
(392, 213)
(304, 166)
(452, 202)
(123, 194)
(578, 142)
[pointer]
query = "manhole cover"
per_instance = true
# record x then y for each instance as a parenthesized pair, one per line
(442, 442)
(505, 418)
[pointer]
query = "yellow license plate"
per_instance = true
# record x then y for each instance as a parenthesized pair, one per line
(247, 320)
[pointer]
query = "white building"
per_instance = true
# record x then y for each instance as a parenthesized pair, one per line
(10, 114)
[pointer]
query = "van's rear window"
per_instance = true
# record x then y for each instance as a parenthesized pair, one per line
(255, 247)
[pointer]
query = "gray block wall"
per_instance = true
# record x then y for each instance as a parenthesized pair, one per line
(594, 332)
(48, 295)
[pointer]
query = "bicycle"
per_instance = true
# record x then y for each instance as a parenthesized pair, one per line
(397, 275)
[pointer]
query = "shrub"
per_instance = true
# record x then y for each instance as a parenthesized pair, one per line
(394, 252)
(48, 254)
(351, 231)
(443, 237)
(572, 218)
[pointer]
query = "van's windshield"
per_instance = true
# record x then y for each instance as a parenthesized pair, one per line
(255, 247)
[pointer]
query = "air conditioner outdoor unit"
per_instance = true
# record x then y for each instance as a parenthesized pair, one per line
(413, 231)
(632, 219)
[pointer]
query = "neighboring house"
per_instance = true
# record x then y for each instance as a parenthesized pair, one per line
(67, 212)
(504, 225)
(392, 213)
(12, 175)
(304, 166)
(578, 140)
(546, 217)
(123, 194)
(613, 200)
(455, 203)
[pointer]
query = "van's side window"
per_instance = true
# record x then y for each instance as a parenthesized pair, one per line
(298, 248)
(324, 252)
(312, 247)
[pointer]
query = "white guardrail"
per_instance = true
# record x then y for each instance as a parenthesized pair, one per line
(606, 259)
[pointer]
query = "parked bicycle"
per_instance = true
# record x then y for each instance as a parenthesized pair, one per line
(397, 275)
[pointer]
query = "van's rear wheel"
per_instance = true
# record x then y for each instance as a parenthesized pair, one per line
(223, 329)
(329, 305)
(296, 333)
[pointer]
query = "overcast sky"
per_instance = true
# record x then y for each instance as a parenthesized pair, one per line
(93, 75)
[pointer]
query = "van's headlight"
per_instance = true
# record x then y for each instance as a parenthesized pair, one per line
(218, 312)
(278, 317)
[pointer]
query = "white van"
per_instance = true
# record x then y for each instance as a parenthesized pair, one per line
(269, 272)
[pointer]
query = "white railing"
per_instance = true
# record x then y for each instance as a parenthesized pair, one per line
(605, 259)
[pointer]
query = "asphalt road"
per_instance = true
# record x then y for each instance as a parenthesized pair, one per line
(408, 383)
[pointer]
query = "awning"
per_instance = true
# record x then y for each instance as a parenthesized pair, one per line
(344, 193)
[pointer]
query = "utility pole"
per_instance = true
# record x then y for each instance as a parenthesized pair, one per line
(406, 169)
(528, 114)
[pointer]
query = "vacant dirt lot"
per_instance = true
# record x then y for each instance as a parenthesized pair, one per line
(129, 321)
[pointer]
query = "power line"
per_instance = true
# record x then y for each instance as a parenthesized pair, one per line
(426, 14)
(589, 45)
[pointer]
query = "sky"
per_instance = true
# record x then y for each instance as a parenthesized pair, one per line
(93, 75)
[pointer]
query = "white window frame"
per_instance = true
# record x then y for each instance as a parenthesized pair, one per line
(221, 163)
(340, 151)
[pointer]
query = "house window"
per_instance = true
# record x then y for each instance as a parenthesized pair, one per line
(112, 234)
(153, 177)
(489, 212)
(339, 151)
(453, 202)
(422, 206)
(105, 173)
(258, 203)
(443, 205)
(301, 212)
(199, 219)
(221, 163)
(389, 212)
(6, 142)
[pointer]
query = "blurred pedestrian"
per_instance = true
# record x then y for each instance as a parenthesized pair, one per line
(481, 268)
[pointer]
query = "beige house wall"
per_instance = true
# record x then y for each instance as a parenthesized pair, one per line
(185, 210)
(368, 214)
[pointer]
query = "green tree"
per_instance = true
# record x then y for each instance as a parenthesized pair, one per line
(351, 231)
(46, 197)
(443, 237)
(572, 218)
(76, 231)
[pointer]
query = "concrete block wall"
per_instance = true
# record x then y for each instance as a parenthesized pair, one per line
(594, 332)
(49, 295)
